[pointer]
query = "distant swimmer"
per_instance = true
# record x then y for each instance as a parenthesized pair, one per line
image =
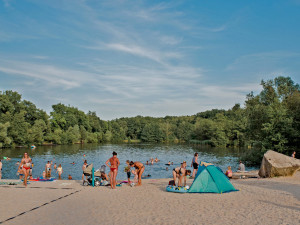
(6, 158)
(146, 176)
(69, 177)
(168, 164)
(152, 161)
(73, 163)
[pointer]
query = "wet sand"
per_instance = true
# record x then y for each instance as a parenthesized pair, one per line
(259, 201)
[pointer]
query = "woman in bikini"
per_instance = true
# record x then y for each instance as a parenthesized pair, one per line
(114, 164)
(180, 172)
(25, 164)
(139, 168)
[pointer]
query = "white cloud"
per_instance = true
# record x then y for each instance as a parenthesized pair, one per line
(54, 76)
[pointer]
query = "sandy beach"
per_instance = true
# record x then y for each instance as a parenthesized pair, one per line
(259, 201)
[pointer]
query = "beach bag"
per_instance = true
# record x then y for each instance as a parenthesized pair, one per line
(171, 182)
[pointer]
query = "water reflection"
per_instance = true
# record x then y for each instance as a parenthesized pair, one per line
(98, 154)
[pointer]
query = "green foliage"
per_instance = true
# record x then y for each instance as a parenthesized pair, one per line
(4, 139)
(269, 120)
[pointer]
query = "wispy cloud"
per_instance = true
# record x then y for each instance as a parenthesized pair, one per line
(53, 75)
(7, 3)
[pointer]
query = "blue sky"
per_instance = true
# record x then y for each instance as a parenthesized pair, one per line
(150, 58)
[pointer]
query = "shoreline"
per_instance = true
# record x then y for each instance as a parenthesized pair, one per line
(258, 201)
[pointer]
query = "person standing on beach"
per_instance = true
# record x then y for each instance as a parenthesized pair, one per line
(139, 169)
(195, 164)
(84, 166)
(241, 167)
(294, 154)
(48, 169)
(25, 164)
(114, 164)
(0, 169)
(59, 171)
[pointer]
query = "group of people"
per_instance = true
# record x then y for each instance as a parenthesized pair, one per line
(26, 165)
(113, 163)
(152, 161)
(48, 170)
(179, 173)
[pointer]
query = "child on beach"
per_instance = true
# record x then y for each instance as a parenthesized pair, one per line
(135, 179)
(59, 171)
(127, 170)
(228, 173)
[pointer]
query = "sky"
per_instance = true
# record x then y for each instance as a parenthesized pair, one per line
(150, 58)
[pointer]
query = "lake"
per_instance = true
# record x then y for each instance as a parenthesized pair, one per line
(98, 154)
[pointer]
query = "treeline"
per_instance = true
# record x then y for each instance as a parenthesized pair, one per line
(269, 120)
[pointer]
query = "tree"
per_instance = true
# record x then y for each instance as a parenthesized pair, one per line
(36, 133)
(4, 139)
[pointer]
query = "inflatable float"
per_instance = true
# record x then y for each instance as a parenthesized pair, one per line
(176, 189)
(41, 179)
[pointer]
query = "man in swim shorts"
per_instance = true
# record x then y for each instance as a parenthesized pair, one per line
(114, 164)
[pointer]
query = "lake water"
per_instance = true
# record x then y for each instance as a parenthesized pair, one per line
(98, 154)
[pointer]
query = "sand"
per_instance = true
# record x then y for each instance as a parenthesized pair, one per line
(259, 201)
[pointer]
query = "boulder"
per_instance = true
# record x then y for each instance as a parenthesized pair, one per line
(275, 164)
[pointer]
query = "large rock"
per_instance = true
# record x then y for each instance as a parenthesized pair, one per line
(275, 164)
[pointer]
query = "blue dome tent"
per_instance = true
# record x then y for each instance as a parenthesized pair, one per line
(209, 179)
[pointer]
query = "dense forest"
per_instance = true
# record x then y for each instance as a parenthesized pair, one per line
(269, 120)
